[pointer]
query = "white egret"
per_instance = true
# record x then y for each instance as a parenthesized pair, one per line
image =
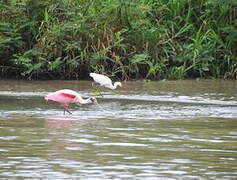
(105, 81)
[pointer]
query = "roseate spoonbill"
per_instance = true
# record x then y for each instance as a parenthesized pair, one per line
(67, 96)
(104, 81)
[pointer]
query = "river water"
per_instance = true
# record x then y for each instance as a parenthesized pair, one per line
(144, 130)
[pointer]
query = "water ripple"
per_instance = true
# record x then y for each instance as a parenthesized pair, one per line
(148, 133)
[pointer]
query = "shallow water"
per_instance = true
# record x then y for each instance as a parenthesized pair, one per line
(171, 130)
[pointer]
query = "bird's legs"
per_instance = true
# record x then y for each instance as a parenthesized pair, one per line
(98, 90)
(66, 109)
(92, 84)
(96, 87)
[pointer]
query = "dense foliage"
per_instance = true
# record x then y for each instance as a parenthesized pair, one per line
(128, 39)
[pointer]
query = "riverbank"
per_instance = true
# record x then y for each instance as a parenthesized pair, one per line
(125, 40)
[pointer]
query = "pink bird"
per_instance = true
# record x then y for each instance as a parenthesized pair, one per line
(67, 96)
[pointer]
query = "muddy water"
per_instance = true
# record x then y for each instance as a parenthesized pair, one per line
(167, 130)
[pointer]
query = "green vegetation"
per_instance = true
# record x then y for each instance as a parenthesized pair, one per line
(127, 39)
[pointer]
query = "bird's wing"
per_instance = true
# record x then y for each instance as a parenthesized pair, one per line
(72, 96)
(101, 79)
(61, 96)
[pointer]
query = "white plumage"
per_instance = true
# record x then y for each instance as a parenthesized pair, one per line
(104, 81)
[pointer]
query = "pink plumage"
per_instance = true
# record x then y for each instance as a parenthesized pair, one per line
(64, 96)
(67, 96)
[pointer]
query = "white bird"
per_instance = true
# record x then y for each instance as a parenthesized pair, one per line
(104, 81)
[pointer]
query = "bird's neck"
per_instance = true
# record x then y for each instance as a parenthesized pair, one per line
(80, 100)
(116, 84)
(113, 86)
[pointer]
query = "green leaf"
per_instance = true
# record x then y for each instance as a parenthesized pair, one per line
(55, 64)
(140, 58)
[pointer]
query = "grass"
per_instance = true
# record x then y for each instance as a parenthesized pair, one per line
(64, 39)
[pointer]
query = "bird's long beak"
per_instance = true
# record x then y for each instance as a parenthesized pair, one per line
(99, 105)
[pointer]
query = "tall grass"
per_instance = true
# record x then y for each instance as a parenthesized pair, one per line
(65, 39)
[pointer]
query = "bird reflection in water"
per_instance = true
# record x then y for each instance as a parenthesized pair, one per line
(58, 122)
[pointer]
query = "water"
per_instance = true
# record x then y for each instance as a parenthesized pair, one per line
(156, 130)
